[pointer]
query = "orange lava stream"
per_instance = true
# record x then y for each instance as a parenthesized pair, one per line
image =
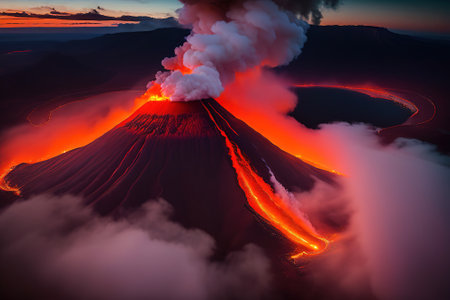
(260, 195)
(269, 205)
(5, 185)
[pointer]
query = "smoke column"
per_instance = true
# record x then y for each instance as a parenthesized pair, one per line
(398, 193)
(233, 36)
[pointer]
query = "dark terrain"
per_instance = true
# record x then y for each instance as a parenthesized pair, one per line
(360, 55)
(57, 72)
(175, 151)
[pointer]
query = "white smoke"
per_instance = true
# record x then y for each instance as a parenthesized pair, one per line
(53, 246)
(400, 198)
(252, 33)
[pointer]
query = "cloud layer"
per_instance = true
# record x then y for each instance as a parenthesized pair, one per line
(224, 43)
(54, 247)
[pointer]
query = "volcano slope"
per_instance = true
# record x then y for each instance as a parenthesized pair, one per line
(211, 167)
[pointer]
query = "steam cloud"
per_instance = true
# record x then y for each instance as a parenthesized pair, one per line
(397, 242)
(233, 36)
(395, 247)
(53, 246)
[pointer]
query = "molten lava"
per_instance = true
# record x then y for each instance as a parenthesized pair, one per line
(267, 204)
(154, 93)
(159, 116)
(259, 194)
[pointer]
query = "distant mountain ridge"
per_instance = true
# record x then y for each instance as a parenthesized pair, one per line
(333, 54)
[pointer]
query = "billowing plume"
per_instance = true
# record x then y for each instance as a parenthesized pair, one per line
(305, 8)
(229, 37)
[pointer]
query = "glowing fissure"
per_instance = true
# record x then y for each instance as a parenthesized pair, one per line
(271, 207)
(5, 185)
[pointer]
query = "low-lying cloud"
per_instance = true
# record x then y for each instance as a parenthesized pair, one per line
(54, 247)
(397, 239)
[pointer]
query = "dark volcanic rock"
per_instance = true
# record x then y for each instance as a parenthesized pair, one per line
(175, 151)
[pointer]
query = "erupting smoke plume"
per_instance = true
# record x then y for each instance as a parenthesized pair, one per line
(55, 247)
(395, 245)
(229, 37)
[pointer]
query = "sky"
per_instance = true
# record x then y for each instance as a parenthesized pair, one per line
(412, 15)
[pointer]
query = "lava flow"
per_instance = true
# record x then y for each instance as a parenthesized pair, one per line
(112, 177)
(269, 205)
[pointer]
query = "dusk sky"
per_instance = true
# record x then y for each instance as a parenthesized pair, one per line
(414, 15)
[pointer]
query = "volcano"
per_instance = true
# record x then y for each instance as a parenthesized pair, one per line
(219, 175)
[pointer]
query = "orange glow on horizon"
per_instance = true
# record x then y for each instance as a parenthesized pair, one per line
(28, 22)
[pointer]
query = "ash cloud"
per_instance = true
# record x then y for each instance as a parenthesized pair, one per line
(53, 246)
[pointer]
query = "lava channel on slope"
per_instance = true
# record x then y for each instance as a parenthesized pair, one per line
(216, 171)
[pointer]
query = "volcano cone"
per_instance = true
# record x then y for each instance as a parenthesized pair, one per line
(182, 152)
